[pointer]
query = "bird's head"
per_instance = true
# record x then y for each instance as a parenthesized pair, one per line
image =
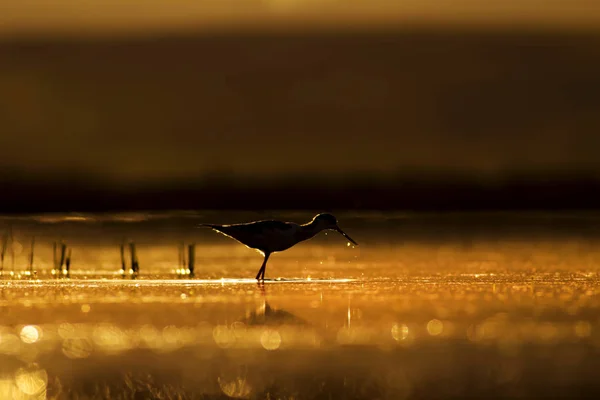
(328, 221)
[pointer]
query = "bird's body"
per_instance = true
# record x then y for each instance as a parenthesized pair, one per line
(274, 236)
(264, 236)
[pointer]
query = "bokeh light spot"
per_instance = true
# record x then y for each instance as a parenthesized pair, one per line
(435, 327)
(399, 332)
(270, 339)
(31, 380)
(77, 348)
(30, 334)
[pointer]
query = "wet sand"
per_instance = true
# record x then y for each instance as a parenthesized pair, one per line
(490, 306)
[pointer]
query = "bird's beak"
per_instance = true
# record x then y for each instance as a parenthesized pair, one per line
(337, 228)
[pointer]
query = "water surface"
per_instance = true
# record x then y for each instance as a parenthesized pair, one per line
(455, 306)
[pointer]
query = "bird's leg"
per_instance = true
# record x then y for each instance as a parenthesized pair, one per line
(261, 271)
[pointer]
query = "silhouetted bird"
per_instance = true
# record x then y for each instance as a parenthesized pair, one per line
(272, 236)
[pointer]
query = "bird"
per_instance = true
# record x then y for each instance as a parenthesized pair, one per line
(269, 236)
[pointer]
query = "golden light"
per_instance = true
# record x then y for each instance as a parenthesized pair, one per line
(85, 308)
(9, 344)
(66, 330)
(236, 388)
(31, 380)
(173, 337)
(150, 336)
(77, 348)
(399, 332)
(346, 336)
(8, 390)
(270, 339)
(435, 327)
(223, 336)
(110, 338)
(30, 334)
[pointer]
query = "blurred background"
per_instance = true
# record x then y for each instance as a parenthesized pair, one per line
(299, 104)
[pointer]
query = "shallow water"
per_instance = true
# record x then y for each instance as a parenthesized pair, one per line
(494, 305)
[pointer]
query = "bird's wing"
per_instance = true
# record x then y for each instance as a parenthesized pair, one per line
(277, 235)
(276, 227)
(259, 234)
(263, 233)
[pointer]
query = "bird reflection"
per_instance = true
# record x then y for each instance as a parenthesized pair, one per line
(269, 316)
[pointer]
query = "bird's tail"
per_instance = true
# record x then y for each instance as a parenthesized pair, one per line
(216, 227)
(213, 226)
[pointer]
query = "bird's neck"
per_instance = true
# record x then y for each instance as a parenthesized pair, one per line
(308, 230)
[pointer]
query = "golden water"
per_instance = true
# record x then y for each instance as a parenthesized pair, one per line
(425, 307)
